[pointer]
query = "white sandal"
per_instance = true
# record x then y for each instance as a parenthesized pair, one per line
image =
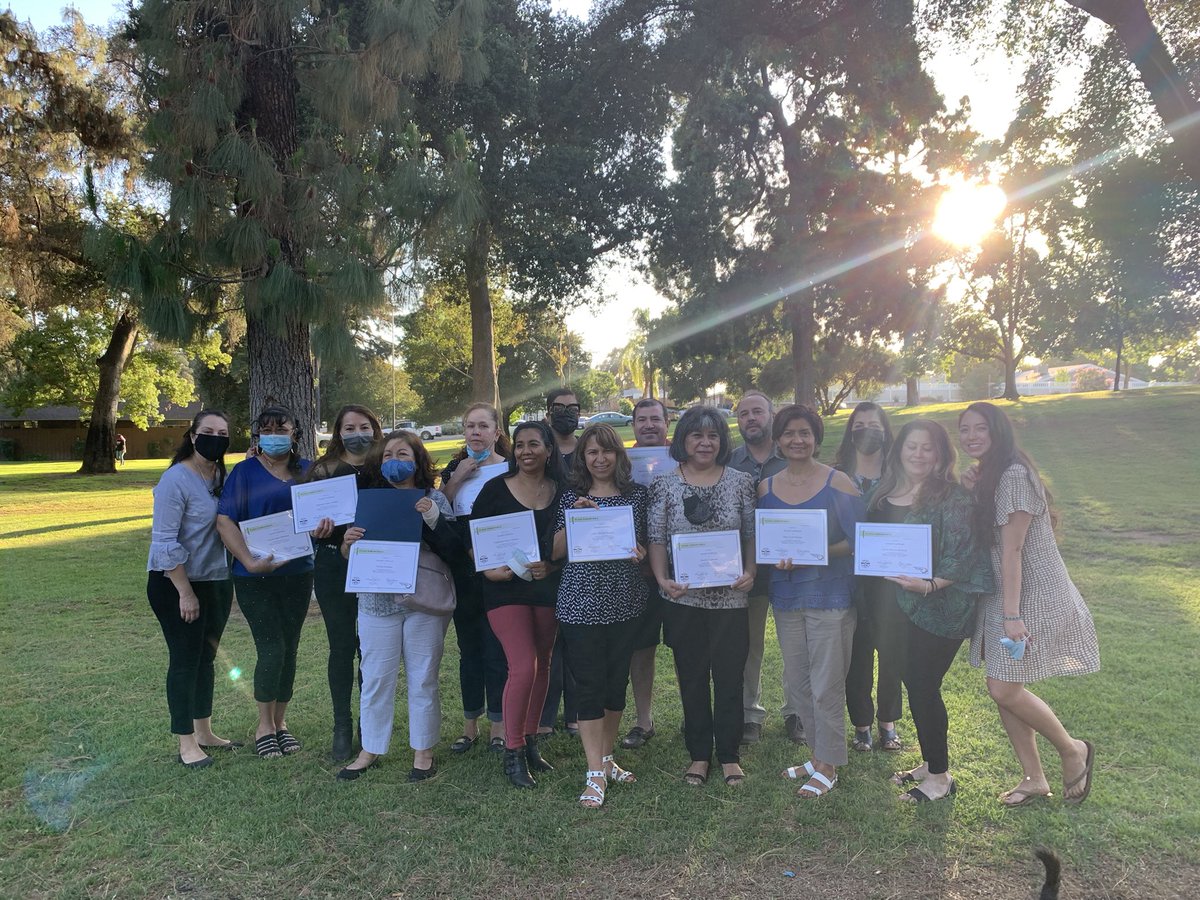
(827, 785)
(796, 772)
(619, 775)
(596, 800)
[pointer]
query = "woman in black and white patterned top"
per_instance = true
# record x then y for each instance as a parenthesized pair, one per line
(707, 628)
(599, 604)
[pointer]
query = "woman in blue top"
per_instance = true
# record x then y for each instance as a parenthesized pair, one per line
(188, 586)
(814, 613)
(273, 596)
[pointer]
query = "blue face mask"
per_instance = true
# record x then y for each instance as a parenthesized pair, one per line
(275, 444)
(481, 455)
(398, 471)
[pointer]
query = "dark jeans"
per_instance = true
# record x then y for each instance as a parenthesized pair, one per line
(191, 646)
(598, 662)
(710, 647)
(340, 612)
(274, 607)
(882, 628)
(562, 686)
(927, 662)
(482, 668)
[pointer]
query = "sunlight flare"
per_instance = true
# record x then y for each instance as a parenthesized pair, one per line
(967, 211)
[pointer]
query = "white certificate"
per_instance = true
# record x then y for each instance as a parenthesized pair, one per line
(329, 498)
(707, 558)
(648, 462)
(801, 535)
(382, 567)
(495, 538)
(464, 500)
(599, 534)
(274, 535)
(884, 549)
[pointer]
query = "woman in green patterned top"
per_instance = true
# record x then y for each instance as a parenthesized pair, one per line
(919, 488)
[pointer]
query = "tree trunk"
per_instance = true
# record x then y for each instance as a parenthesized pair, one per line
(1180, 111)
(1010, 378)
(912, 395)
(485, 386)
(102, 427)
(281, 372)
(803, 333)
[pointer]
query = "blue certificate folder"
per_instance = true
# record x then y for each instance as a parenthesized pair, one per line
(389, 514)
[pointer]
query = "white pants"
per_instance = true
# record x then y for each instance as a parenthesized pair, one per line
(417, 639)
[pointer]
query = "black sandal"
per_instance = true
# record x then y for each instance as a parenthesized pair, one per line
(862, 740)
(267, 747)
(287, 743)
(889, 740)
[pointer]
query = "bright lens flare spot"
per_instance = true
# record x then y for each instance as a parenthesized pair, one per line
(235, 673)
(967, 212)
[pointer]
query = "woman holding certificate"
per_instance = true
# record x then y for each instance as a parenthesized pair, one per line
(520, 593)
(1036, 624)
(701, 531)
(481, 669)
(355, 430)
(919, 489)
(602, 594)
(398, 627)
(813, 602)
(188, 583)
(274, 580)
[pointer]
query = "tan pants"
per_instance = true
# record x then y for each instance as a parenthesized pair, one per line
(816, 644)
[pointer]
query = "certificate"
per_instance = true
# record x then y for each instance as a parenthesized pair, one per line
(648, 462)
(496, 538)
(707, 558)
(801, 535)
(464, 500)
(883, 549)
(594, 535)
(382, 567)
(274, 535)
(328, 498)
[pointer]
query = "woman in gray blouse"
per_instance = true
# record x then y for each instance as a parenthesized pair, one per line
(188, 584)
(707, 628)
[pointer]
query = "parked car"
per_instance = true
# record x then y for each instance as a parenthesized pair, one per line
(614, 419)
(424, 431)
(725, 411)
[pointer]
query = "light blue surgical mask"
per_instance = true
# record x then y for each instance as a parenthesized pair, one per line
(275, 444)
(398, 471)
(481, 455)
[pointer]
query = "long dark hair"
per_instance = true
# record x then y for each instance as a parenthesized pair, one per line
(606, 439)
(186, 448)
(846, 458)
(1002, 453)
(503, 444)
(327, 464)
(935, 488)
(425, 477)
(277, 416)
(555, 470)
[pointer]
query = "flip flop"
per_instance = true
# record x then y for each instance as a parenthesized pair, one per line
(1085, 776)
(1027, 797)
(916, 795)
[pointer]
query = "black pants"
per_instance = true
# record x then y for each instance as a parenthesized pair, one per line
(710, 647)
(597, 661)
(191, 646)
(340, 612)
(274, 607)
(882, 628)
(482, 667)
(927, 661)
(561, 687)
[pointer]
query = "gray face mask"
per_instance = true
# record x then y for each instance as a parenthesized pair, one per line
(867, 440)
(357, 443)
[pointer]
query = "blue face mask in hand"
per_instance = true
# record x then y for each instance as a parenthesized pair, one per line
(398, 471)
(481, 455)
(275, 444)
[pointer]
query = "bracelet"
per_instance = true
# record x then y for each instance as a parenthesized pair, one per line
(932, 586)
(1014, 618)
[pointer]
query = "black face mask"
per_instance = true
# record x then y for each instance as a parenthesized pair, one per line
(211, 446)
(867, 440)
(564, 422)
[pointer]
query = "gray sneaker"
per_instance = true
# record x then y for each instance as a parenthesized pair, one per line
(794, 729)
(751, 733)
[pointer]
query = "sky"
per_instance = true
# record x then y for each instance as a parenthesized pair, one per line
(990, 81)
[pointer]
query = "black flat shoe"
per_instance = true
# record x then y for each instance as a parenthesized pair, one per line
(496, 745)
(417, 775)
(198, 764)
(463, 744)
(349, 774)
(228, 745)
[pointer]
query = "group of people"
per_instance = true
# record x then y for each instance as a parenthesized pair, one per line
(532, 631)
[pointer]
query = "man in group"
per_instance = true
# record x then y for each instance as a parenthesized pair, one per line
(759, 457)
(650, 430)
(562, 415)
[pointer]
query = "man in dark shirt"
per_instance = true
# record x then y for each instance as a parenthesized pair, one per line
(562, 415)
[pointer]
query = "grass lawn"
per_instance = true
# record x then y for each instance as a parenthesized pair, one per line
(92, 802)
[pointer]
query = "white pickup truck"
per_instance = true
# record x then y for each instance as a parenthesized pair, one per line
(424, 431)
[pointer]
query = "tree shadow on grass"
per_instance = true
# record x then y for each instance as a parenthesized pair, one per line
(72, 526)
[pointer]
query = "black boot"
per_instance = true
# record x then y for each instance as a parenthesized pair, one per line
(516, 767)
(533, 755)
(343, 745)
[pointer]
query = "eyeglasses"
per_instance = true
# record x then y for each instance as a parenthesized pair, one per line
(559, 407)
(697, 509)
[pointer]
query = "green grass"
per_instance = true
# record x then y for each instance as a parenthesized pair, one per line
(93, 803)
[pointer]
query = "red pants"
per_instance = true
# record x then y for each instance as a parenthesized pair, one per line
(527, 635)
